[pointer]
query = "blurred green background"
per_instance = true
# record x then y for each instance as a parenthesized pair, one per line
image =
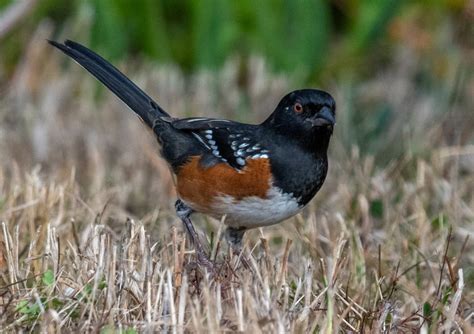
(313, 38)
(364, 49)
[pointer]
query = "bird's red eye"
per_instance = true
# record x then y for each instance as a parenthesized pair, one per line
(298, 107)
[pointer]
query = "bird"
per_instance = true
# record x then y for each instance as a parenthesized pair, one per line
(255, 175)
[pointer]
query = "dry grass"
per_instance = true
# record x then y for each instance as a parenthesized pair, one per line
(89, 241)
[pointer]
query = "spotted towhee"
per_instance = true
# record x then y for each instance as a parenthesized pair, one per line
(255, 175)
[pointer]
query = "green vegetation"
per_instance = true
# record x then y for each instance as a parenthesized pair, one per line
(301, 36)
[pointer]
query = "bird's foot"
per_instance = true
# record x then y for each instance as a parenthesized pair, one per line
(184, 212)
(203, 259)
(234, 238)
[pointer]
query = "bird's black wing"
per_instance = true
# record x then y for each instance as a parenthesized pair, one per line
(227, 141)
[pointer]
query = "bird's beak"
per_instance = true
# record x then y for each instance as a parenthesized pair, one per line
(323, 118)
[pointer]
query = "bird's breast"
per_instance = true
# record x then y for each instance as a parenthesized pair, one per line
(247, 197)
(253, 211)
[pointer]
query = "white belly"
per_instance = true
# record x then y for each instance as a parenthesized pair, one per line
(252, 212)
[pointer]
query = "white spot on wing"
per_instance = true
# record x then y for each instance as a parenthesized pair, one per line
(259, 156)
(240, 161)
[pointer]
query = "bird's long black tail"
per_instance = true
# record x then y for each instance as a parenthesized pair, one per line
(148, 110)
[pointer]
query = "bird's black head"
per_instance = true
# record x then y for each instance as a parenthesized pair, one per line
(307, 116)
